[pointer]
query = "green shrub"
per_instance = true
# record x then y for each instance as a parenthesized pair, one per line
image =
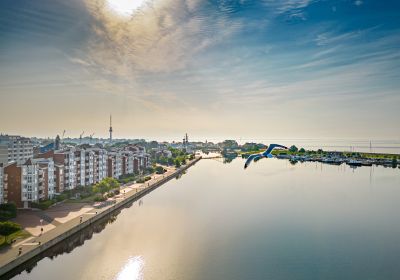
(7, 228)
(293, 149)
(110, 194)
(61, 197)
(43, 205)
(8, 211)
(99, 198)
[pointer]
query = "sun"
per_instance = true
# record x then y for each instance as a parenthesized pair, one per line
(124, 7)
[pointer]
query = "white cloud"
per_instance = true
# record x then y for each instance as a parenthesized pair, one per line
(162, 37)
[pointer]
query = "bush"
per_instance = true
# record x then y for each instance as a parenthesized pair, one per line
(61, 197)
(160, 170)
(110, 194)
(293, 149)
(43, 205)
(8, 211)
(99, 198)
(7, 228)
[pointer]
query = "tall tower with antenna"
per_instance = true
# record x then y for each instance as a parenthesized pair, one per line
(111, 130)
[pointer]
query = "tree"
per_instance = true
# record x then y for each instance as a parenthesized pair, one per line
(394, 161)
(7, 228)
(320, 151)
(159, 169)
(293, 149)
(302, 151)
(177, 163)
(8, 211)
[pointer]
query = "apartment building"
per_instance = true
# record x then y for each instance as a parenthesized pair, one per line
(65, 165)
(23, 183)
(3, 185)
(47, 179)
(15, 148)
(114, 164)
(89, 168)
(80, 167)
(59, 178)
(127, 162)
(100, 162)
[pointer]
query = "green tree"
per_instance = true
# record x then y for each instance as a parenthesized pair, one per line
(302, 151)
(8, 211)
(7, 228)
(177, 163)
(320, 151)
(293, 149)
(394, 161)
(159, 169)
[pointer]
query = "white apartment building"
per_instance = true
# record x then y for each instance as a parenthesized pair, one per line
(89, 167)
(2, 187)
(114, 164)
(102, 165)
(15, 148)
(128, 165)
(70, 170)
(29, 183)
(47, 179)
(80, 167)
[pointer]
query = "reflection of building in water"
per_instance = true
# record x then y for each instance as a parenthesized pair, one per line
(67, 245)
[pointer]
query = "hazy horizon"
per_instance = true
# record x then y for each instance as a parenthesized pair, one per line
(305, 69)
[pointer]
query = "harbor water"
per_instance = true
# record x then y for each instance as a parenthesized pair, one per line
(273, 220)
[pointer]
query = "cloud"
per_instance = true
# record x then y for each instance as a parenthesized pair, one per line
(358, 3)
(163, 36)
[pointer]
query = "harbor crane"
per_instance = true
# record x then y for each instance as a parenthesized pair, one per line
(91, 137)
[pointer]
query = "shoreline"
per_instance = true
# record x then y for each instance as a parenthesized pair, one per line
(10, 259)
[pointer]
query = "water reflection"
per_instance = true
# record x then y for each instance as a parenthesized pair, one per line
(273, 221)
(68, 245)
(132, 270)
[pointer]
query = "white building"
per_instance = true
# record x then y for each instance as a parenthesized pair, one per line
(70, 169)
(15, 148)
(114, 164)
(47, 178)
(89, 167)
(101, 164)
(29, 183)
(2, 185)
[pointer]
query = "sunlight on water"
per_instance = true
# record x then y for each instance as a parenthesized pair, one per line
(132, 270)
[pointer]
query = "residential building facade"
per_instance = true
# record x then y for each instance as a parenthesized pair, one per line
(15, 148)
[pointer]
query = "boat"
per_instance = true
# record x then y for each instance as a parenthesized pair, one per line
(354, 162)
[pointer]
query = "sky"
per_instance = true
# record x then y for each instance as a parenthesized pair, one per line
(213, 69)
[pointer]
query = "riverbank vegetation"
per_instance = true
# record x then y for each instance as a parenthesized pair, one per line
(9, 232)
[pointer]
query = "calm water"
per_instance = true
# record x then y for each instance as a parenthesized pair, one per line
(272, 221)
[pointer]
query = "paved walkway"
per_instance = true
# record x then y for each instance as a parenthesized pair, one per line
(57, 221)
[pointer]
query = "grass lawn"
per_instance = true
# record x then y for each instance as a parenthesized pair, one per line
(22, 234)
(83, 200)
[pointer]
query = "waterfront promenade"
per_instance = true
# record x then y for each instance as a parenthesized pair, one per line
(58, 231)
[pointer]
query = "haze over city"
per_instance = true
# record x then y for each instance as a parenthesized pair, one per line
(256, 69)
